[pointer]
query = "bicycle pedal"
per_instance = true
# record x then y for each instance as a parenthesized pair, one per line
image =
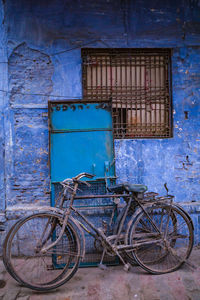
(102, 266)
(127, 267)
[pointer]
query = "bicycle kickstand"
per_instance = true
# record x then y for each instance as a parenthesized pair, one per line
(126, 264)
(101, 265)
(104, 267)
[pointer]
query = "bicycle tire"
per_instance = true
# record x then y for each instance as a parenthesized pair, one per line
(5, 249)
(33, 269)
(161, 255)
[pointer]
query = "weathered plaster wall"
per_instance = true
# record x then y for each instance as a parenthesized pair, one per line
(42, 41)
(3, 112)
(30, 72)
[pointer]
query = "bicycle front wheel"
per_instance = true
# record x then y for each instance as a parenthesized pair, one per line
(162, 238)
(28, 265)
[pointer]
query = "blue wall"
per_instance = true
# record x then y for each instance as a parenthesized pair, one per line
(42, 40)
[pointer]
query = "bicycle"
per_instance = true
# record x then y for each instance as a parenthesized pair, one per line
(43, 251)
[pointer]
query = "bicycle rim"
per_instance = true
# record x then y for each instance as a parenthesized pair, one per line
(154, 252)
(28, 265)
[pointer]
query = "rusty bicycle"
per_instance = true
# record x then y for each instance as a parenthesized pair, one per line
(43, 251)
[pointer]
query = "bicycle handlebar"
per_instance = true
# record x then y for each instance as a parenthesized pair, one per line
(77, 178)
(84, 174)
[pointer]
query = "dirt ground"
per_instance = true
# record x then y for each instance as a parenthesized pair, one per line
(115, 284)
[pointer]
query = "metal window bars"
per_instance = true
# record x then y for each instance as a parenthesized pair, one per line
(137, 82)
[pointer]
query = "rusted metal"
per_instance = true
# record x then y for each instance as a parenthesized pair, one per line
(137, 82)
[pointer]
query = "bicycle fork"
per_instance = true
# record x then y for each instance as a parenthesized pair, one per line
(67, 214)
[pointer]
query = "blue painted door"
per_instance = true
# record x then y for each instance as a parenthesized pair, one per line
(81, 140)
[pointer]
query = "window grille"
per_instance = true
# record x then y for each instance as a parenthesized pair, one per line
(137, 83)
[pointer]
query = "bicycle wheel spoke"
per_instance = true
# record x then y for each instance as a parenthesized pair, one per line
(161, 223)
(144, 226)
(178, 228)
(33, 268)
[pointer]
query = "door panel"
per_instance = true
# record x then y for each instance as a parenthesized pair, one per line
(76, 152)
(81, 140)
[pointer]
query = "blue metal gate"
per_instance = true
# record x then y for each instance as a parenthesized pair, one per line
(81, 140)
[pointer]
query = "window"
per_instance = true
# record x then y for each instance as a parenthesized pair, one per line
(137, 83)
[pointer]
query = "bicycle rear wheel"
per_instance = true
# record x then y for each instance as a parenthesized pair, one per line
(26, 263)
(164, 251)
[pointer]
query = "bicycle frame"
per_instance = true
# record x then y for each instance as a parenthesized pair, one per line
(99, 233)
(69, 210)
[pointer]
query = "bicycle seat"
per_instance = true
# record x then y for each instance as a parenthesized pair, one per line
(127, 187)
